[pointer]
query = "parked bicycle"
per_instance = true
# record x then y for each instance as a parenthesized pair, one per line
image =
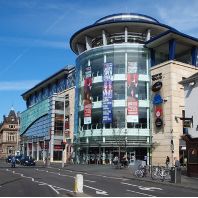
(141, 172)
(161, 173)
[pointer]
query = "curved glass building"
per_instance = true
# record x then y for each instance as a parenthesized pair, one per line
(113, 82)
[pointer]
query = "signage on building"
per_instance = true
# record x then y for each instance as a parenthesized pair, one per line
(87, 96)
(158, 122)
(157, 99)
(66, 122)
(157, 86)
(158, 112)
(58, 147)
(187, 123)
(107, 93)
(156, 77)
(193, 155)
(132, 93)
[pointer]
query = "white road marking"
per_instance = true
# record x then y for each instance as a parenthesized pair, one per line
(45, 184)
(140, 193)
(109, 177)
(101, 192)
(54, 188)
(149, 188)
(142, 187)
(89, 181)
(97, 190)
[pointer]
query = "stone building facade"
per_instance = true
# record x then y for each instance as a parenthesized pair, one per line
(9, 135)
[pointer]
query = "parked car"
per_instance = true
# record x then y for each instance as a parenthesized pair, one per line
(27, 161)
(18, 158)
(8, 159)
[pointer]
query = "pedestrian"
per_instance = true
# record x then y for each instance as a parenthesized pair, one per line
(177, 163)
(115, 160)
(13, 162)
(167, 161)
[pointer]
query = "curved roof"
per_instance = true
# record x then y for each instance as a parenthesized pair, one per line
(116, 23)
(126, 16)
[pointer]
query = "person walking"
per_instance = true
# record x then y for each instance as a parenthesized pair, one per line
(167, 161)
(13, 162)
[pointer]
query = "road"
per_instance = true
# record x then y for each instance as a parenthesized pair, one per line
(53, 181)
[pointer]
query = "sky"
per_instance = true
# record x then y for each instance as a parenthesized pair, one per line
(35, 36)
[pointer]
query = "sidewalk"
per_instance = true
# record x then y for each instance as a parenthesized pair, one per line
(109, 170)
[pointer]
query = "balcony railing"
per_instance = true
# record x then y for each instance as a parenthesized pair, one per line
(113, 126)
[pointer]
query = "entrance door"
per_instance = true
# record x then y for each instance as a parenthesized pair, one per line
(132, 158)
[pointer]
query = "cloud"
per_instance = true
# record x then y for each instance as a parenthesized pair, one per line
(17, 85)
(183, 17)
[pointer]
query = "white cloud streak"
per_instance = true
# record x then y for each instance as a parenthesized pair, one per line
(17, 85)
(183, 17)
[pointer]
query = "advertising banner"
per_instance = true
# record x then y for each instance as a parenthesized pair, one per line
(132, 93)
(107, 93)
(87, 96)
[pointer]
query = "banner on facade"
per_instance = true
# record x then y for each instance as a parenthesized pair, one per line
(107, 93)
(132, 92)
(87, 96)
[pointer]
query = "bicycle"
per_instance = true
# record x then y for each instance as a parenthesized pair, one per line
(141, 172)
(160, 173)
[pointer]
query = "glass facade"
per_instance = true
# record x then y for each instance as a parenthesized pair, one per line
(42, 124)
(40, 128)
(119, 57)
(56, 87)
(99, 135)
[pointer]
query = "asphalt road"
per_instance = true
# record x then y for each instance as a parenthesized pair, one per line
(41, 181)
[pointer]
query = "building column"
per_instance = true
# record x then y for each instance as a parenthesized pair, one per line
(44, 154)
(152, 52)
(194, 55)
(172, 47)
(28, 150)
(148, 152)
(33, 149)
(148, 34)
(103, 155)
(37, 150)
(126, 71)
(126, 35)
(104, 38)
(23, 148)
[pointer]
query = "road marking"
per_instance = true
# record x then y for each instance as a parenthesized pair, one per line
(101, 192)
(85, 173)
(149, 188)
(54, 188)
(89, 181)
(140, 193)
(45, 184)
(66, 175)
(98, 191)
(142, 187)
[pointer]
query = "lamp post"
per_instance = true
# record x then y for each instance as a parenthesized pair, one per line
(17, 136)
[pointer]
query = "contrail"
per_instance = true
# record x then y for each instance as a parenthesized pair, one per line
(28, 48)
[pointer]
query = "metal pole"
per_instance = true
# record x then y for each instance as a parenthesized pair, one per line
(17, 138)
(63, 152)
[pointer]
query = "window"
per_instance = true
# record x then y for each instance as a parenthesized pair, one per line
(11, 137)
(11, 126)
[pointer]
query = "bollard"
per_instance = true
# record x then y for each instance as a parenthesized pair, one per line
(78, 186)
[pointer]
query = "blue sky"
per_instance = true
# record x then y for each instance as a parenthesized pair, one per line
(34, 36)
